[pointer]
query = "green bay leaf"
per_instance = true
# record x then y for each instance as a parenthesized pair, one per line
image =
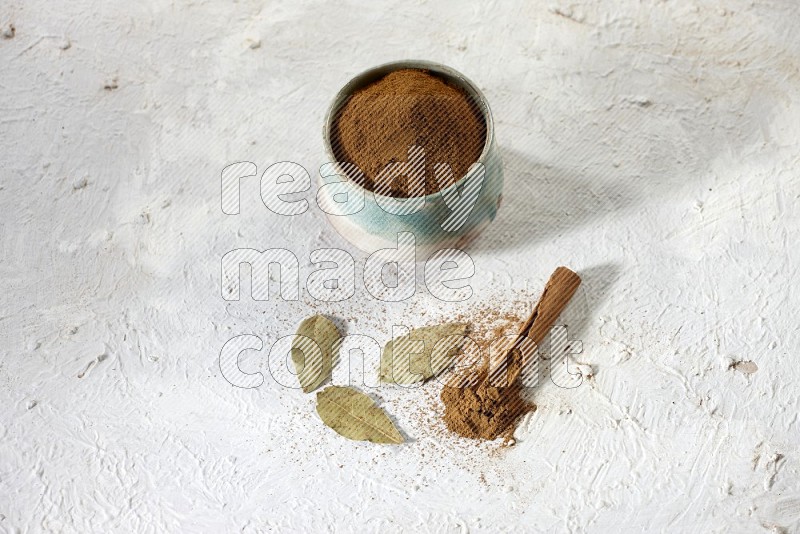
(421, 354)
(355, 416)
(313, 351)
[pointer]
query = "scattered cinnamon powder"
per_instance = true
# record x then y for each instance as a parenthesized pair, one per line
(385, 122)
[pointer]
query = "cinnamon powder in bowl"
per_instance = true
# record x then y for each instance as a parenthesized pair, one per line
(381, 122)
(412, 149)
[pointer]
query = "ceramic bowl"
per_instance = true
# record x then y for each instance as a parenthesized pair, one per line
(362, 217)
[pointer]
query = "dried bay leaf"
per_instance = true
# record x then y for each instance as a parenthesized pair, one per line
(313, 351)
(354, 415)
(421, 354)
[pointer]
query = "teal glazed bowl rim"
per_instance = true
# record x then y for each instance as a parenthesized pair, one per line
(375, 73)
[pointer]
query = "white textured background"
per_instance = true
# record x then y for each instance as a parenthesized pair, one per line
(653, 146)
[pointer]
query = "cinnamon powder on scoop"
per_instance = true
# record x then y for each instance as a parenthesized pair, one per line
(483, 411)
(406, 110)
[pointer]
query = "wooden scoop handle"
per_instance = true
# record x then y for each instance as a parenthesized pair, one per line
(557, 293)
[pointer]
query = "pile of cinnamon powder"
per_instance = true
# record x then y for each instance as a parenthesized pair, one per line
(408, 109)
(474, 406)
(483, 411)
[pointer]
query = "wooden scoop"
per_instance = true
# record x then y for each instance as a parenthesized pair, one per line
(557, 293)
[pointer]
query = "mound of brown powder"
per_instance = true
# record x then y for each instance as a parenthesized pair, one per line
(406, 109)
(482, 411)
(473, 407)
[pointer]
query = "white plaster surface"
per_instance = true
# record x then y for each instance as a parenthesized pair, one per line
(654, 146)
